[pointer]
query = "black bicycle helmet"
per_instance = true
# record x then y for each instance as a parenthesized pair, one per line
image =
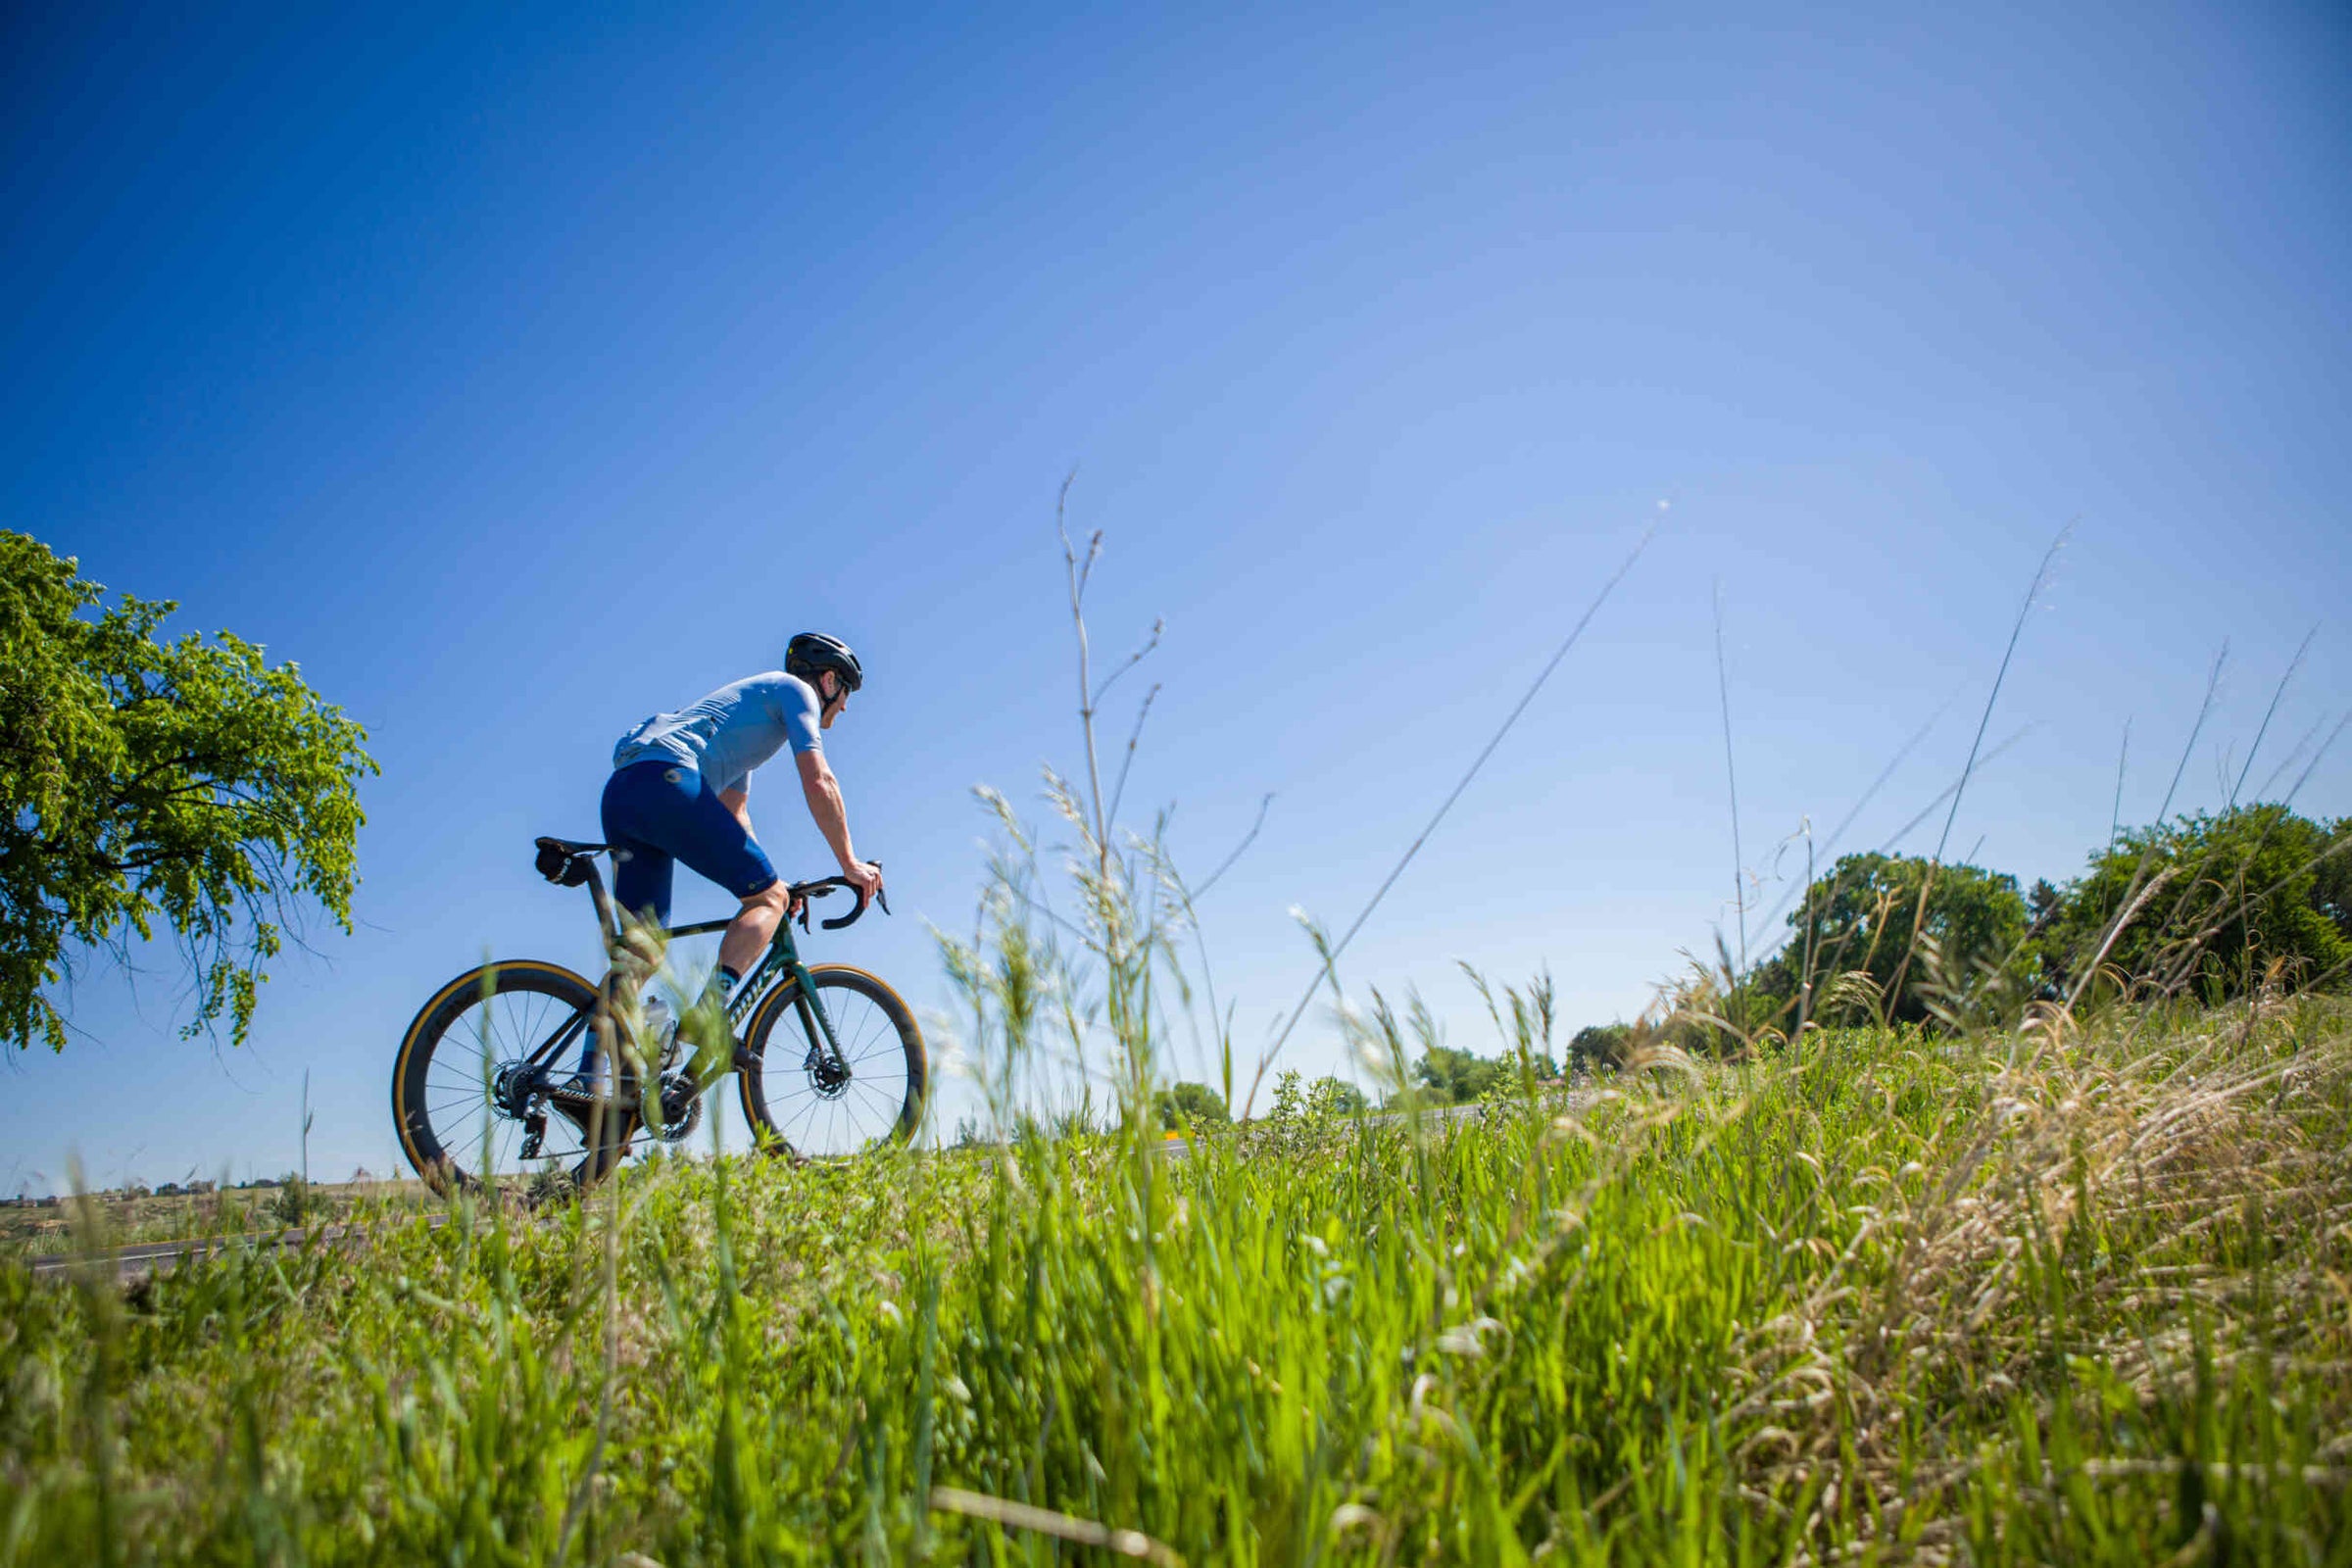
(811, 650)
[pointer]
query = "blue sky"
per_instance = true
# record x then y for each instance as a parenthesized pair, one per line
(521, 374)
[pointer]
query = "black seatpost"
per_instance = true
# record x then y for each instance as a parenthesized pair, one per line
(607, 918)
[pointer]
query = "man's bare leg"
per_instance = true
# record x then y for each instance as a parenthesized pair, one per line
(752, 929)
(747, 936)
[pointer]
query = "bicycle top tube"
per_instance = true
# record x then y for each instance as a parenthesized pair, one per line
(802, 893)
(571, 863)
(698, 928)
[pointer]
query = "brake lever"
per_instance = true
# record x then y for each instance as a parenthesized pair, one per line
(809, 892)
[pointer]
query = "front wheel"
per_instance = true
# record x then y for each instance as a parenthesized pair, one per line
(802, 1099)
(473, 1085)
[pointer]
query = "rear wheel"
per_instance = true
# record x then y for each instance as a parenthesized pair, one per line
(470, 1088)
(800, 1101)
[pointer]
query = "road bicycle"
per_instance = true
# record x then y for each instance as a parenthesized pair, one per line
(828, 1059)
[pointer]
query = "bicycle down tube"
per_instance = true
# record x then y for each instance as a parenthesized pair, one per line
(780, 958)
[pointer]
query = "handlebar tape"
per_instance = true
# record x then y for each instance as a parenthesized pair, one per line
(807, 891)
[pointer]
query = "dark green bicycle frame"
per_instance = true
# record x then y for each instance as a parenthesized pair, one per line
(782, 959)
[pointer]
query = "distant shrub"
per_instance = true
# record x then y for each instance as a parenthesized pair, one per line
(1330, 1098)
(1599, 1046)
(293, 1204)
(1459, 1077)
(1190, 1105)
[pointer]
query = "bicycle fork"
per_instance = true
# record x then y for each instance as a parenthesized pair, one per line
(826, 1064)
(824, 1061)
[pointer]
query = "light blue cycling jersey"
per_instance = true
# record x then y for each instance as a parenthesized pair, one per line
(731, 731)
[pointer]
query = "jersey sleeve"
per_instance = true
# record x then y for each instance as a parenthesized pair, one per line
(796, 704)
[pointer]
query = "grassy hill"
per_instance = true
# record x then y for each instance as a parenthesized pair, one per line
(1887, 1297)
(57, 1227)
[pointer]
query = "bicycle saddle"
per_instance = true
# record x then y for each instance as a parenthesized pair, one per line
(564, 861)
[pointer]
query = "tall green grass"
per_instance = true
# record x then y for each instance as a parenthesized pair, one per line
(2045, 1299)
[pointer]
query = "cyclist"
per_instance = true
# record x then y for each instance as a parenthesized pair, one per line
(680, 791)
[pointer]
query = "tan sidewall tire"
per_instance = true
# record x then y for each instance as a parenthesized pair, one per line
(751, 1079)
(418, 1140)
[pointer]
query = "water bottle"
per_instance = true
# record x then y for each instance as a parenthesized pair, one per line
(661, 1033)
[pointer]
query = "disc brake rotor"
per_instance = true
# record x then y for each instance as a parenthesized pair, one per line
(827, 1073)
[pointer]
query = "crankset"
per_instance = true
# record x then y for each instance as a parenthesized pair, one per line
(681, 1106)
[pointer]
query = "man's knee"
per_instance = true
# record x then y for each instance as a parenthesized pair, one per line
(771, 899)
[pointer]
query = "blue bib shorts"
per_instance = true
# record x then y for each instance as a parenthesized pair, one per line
(657, 812)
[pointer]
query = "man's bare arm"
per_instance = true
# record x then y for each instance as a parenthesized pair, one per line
(824, 805)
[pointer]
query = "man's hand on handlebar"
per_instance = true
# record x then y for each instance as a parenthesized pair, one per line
(867, 878)
(871, 892)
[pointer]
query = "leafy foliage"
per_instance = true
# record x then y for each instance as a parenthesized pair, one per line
(1329, 1097)
(143, 782)
(1299, 1108)
(1460, 1077)
(1851, 938)
(1600, 1046)
(2210, 905)
(1190, 1105)
(2216, 902)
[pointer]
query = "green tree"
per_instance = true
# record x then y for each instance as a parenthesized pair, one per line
(1190, 1104)
(1859, 920)
(1457, 1076)
(2219, 901)
(1599, 1046)
(144, 783)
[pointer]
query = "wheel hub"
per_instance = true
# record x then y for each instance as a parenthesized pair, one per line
(515, 1086)
(827, 1072)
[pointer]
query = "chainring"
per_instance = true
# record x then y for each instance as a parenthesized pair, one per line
(681, 1107)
